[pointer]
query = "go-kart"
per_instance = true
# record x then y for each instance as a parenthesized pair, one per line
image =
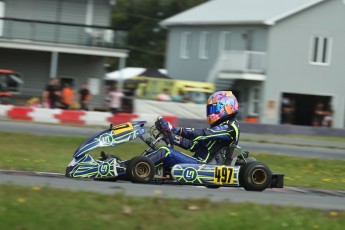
(230, 167)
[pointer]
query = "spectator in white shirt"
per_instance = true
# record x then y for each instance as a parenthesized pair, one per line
(115, 98)
(164, 96)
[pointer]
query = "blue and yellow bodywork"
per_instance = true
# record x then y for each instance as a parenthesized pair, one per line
(206, 174)
(84, 166)
(114, 136)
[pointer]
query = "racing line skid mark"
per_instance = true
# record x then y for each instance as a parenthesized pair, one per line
(297, 190)
(31, 173)
(319, 192)
(50, 174)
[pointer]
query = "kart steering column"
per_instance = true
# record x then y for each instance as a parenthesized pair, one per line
(165, 129)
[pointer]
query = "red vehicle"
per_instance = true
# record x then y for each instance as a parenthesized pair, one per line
(10, 82)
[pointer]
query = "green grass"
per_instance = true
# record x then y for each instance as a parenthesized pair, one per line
(316, 138)
(46, 208)
(22, 151)
(36, 208)
(310, 173)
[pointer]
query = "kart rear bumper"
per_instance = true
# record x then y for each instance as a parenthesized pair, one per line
(277, 180)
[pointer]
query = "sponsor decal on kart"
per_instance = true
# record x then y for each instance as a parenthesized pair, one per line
(106, 139)
(111, 138)
(103, 169)
(190, 174)
(223, 175)
(210, 174)
(118, 129)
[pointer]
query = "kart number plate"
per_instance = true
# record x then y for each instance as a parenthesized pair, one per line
(223, 175)
(122, 128)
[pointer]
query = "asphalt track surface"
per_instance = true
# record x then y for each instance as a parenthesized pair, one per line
(291, 196)
(288, 196)
(252, 142)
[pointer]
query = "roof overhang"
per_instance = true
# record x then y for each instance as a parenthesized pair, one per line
(274, 20)
(62, 48)
(167, 24)
(243, 76)
(195, 16)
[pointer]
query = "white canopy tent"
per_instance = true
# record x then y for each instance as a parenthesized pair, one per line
(128, 73)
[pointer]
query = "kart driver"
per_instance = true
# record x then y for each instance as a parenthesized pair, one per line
(221, 110)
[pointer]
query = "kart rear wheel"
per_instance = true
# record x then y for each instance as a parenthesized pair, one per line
(255, 176)
(140, 169)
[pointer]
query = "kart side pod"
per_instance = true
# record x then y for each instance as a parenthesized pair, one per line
(253, 176)
(206, 174)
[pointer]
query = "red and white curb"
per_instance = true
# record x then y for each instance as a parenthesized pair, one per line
(60, 116)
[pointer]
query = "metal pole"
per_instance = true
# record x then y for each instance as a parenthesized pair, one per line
(122, 64)
(53, 64)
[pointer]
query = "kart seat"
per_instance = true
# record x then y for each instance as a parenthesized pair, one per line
(223, 156)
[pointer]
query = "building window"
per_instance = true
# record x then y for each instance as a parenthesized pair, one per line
(254, 101)
(320, 50)
(10, 81)
(2, 15)
(185, 44)
(205, 43)
(224, 43)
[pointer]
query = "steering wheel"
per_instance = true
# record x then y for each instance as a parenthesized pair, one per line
(162, 126)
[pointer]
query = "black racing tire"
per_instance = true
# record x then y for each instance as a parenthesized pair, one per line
(241, 162)
(255, 176)
(140, 169)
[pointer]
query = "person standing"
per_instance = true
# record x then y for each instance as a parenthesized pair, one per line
(164, 95)
(319, 115)
(180, 97)
(84, 97)
(288, 111)
(328, 114)
(115, 97)
(51, 94)
(67, 96)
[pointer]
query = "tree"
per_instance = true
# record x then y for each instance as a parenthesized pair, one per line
(146, 38)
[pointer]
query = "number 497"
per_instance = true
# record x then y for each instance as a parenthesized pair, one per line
(223, 175)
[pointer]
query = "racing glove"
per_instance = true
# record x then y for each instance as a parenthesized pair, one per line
(177, 139)
(169, 128)
(176, 130)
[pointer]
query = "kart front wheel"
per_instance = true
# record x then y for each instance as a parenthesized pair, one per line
(255, 176)
(140, 169)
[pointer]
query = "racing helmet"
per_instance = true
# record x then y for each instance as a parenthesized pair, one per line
(220, 106)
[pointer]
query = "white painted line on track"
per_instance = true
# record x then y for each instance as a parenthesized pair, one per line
(49, 173)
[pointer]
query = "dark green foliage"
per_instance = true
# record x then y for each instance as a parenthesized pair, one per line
(146, 38)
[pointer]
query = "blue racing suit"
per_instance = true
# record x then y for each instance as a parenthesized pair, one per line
(205, 143)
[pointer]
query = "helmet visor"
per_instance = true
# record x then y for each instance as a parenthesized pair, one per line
(213, 108)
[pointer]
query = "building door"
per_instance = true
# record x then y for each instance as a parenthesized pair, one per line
(254, 101)
(302, 107)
